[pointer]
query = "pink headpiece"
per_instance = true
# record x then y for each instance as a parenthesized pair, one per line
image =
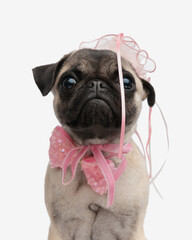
(129, 49)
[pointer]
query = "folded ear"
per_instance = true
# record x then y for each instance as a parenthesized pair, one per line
(149, 93)
(45, 75)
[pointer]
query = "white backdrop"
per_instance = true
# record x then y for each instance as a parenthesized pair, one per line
(40, 32)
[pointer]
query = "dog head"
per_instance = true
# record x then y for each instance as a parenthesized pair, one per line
(87, 100)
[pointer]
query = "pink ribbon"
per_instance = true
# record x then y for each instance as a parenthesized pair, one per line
(128, 48)
(123, 115)
(63, 153)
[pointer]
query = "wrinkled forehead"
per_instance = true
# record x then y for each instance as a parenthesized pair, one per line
(98, 63)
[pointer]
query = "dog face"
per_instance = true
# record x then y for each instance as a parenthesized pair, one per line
(87, 100)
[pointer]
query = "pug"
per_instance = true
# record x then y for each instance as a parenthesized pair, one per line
(87, 103)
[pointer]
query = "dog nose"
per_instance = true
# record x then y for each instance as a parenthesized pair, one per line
(96, 85)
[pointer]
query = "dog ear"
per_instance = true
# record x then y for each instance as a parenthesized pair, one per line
(149, 93)
(45, 75)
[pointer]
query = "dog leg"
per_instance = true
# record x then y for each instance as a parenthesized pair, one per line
(115, 226)
(138, 234)
(53, 235)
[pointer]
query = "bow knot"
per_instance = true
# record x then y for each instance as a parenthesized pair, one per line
(99, 170)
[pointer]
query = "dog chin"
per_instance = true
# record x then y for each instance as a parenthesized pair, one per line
(95, 134)
(98, 134)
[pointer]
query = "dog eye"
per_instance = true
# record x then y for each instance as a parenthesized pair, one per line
(128, 83)
(68, 83)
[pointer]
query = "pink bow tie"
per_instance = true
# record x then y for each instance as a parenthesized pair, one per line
(100, 172)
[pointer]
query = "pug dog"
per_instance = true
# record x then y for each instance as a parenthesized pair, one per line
(87, 103)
